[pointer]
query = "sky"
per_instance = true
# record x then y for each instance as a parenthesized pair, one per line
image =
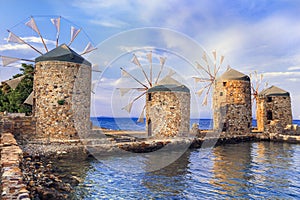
(261, 35)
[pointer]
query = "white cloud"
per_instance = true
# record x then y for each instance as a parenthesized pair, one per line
(111, 23)
(282, 74)
(6, 47)
(25, 47)
(99, 4)
(109, 12)
(293, 79)
(293, 68)
(135, 48)
(33, 39)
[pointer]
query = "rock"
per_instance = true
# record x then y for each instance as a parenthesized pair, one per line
(23, 196)
(31, 183)
(47, 195)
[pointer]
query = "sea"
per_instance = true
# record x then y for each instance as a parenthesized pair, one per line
(249, 170)
(131, 124)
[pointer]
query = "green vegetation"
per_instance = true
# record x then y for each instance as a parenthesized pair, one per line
(61, 102)
(11, 100)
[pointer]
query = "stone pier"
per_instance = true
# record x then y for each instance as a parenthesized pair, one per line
(12, 186)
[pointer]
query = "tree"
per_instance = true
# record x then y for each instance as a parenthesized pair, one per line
(11, 100)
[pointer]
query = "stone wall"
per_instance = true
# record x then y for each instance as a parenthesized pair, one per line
(23, 128)
(12, 184)
(270, 108)
(232, 107)
(169, 113)
(62, 99)
(292, 129)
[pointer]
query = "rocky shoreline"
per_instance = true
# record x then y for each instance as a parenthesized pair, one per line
(41, 174)
(41, 180)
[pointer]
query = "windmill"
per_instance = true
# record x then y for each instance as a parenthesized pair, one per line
(211, 71)
(151, 79)
(35, 41)
(256, 84)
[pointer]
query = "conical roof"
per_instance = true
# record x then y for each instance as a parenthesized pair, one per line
(169, 88)
(63, 53)
(274, 91)
(232, 74)
(168, 81)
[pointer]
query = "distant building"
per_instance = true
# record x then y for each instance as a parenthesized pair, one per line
(232, 103)
(168, 110)
(62, 86)
(273, 104)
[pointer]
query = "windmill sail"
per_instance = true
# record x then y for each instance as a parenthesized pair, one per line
(128, 107)
(204, 103)
(137, 62)
(211, 73)
(171, 73)
(198, 80)
(199, 66)
(124, 91)
(141, 117)
(96, 68)
(124, 73)
(29, 99)
(6, 60)
(15, 39)
(31, 24)
(162, 61)
(222, 59)
(127, 74)
(167, 79)
(89, 47)
(149, 56)
(199, 92)
(255, 85)
(13, 83)
(56, 23)
(93, 87)
(74, 33)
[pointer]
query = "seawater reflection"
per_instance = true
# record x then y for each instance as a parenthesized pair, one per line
(246, 171)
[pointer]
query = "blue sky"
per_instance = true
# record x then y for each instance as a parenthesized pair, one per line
(262, 35)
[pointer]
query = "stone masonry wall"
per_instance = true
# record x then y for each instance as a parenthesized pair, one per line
(62, 99)
(12, 184)
(169, 113)
(232, 107)
(270, 108)
(23, 128)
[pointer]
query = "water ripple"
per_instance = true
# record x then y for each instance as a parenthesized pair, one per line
(263, 170)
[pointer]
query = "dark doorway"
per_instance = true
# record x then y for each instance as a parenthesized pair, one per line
(149, 128)
(225, 127)
(149, 97)
(269, 115)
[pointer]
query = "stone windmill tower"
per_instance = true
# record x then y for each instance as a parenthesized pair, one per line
(273, 104)
(62, 83)
(168, 110)
(62, 87)
(232, 103)
(167, 101)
